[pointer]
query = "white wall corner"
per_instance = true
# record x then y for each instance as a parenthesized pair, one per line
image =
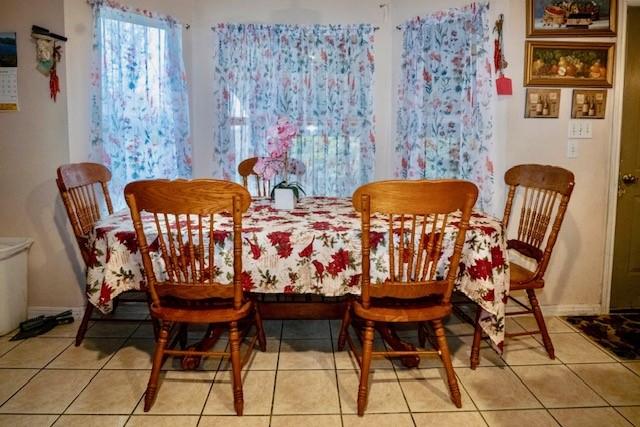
(571, 310)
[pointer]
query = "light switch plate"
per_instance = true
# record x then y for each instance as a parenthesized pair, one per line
(580, 129)
(572, 149)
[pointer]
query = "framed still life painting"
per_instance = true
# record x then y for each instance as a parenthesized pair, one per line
(568, 64)
(565, 18)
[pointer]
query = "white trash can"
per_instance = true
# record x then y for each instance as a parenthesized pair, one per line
(13, 282)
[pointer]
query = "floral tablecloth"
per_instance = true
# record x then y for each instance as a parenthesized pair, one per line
(314, 248)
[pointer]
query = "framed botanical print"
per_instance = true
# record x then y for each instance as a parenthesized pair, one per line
(566, 18)
(542, 104)
(588, 104)
(568, 64)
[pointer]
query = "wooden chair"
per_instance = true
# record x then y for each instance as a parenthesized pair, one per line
(182, 214)
(77, 183)
(541, 191)
(418, 212)
(245, 169)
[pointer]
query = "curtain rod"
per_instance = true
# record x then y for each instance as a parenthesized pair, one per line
(187, 26)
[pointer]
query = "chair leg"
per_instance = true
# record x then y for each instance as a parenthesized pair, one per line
(344, 327)
(537, 313)
(443, 347)
(184, 335)
(262, 341)
(422, 334)
(367, 348)
(477, 339)
(158, 358)
(84, 324)
(236, 366)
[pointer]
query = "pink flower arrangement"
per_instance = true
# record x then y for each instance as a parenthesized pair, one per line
(279, 140)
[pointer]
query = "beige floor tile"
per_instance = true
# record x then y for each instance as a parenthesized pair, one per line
(108, 329)
(145, 330)
(385, 394)
(111, 392)
(460, 349)
(51, 391)
(305, 329)
(526, 351)
(34, 353)
(259, 360)
(496, 388)
(612, 381)
(378, 420)
(346, 359)
(306, 354)
(529, 418)
(65, 331)
(554, 324)
(257, 389)
(93, 353)
(315, 392)
(91, 420)
(180, 393)
(5, 344)
(306, 420)
(449, 419)
(11, 380)
(634, 366)
(272, 328)
(631, 413)
(427, 390)
(589, 417)
(574, 348)
(233, 421)
(136, 353)
(27, 420)
(162, 421)
(557, 387)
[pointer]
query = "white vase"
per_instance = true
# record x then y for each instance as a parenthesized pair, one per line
(284, 198)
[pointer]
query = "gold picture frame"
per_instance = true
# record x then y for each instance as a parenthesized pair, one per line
(551, 18)
(588, 104)
(542, 103)
(569, 64)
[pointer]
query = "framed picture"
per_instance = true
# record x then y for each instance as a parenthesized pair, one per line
(542, 104)
(565, 18)
(568, 64)
(588, 104)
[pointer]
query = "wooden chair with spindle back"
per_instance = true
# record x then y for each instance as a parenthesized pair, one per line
(418, 213)
(77, 184)
(180, 216)
(543, 193)
(245, 169)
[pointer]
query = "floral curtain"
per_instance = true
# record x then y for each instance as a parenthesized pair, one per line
(319, 77)
(139, 101)
(444, 121)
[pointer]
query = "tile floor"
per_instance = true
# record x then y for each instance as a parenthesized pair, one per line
(303, 381)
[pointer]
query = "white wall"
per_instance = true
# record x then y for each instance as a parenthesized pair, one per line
(575, 275)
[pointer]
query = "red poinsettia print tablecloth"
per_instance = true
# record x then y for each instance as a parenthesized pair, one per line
(314, 248)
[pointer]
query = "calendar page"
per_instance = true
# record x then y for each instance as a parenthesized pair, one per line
(8, 72)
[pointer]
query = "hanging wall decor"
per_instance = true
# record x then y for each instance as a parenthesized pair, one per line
(503, 84)
(577, 18)
(48, 54)
(542, 104)
(588, 104)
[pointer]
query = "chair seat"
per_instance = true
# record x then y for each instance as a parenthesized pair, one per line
(201, 313)
(521, 278)
(400, 313)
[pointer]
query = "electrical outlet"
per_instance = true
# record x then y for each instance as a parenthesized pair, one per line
(572, 149)
(580, 129)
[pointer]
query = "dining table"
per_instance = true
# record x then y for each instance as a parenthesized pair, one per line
(313, 249)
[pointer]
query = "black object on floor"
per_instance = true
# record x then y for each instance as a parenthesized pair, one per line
(618, 333)
(41, 324)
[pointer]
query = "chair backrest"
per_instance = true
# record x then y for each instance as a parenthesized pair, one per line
(77, 183)
(245, 169)
(541, 191)
(181, 216)
(419, 214)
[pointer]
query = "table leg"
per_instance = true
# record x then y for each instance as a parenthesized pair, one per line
(392, 338)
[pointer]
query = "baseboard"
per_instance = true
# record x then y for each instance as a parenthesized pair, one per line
(34, 311)
(571, 309)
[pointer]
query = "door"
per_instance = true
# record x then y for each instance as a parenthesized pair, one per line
(625, 286)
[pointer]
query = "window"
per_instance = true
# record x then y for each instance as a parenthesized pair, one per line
(140, 120)
(320, 77)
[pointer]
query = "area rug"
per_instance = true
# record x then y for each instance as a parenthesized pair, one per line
(618, 333)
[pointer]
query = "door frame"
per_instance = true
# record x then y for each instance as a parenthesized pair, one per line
(614, 157)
